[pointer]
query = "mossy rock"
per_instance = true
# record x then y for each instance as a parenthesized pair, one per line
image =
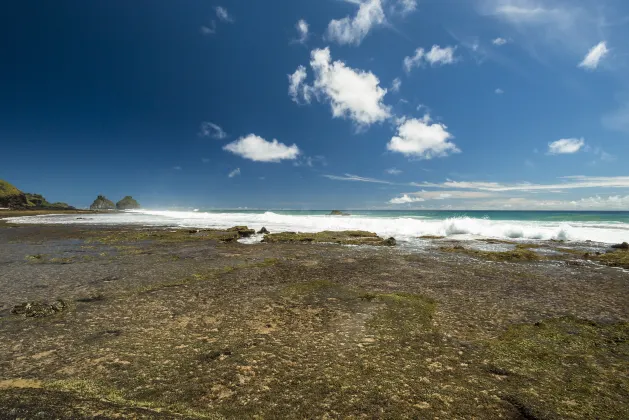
(243, 231)
(517, 254)
(11, 197)
(564, 368)
(619, 258)
(431, 237)
(127, 203)
(338, 213)
(348, 237)
(39, 309)
(102, 203)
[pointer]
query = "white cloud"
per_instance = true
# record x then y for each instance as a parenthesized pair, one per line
(177, 168)
(209, 129)
(356, 178)
(296, 86)
(565, 146)
(404, 7)
(594, 56)
(302, 29)
(439, 195)
(422, 139)
(499, 41)
(209, 30)
(396, 84)
(234, 173)
(256, 148)
(568, 183)
(435, 56)
(351, 31)
(405, 199)
(354, 94)
(223, 15)
(499, 91)
(393, 171)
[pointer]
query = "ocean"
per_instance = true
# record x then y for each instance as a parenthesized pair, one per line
(405, 226)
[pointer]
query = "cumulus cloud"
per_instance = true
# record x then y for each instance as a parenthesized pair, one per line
(435, 56)
(499, 91)
(421, 138)
(209, 129)
(209, 30)
(352, 30)
(396, 84)
(499, 41)
(565, 146)
(405, 199)
(302, 30)
(256, 148)
(296, 87)
(223, 15)
(393, 171)
(594, 56)
(353, 94)
(406, 6)
(234, 173)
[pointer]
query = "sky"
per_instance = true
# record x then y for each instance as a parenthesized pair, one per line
(303, 104)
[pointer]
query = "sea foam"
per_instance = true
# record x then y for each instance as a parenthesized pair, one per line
(402, 228)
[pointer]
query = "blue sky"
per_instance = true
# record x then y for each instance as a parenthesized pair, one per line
(475, 104)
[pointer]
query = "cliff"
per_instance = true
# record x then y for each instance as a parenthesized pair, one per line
(102, 203)
(127, 203)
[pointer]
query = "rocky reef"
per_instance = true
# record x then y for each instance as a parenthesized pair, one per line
(127, 203)
(348, 237)
(338, 213)
(102, 203)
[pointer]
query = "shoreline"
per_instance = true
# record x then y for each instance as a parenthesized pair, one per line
(181, 324)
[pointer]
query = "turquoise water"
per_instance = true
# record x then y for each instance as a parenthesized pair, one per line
(541, 216)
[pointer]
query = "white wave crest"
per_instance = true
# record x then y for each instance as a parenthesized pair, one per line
(403, 228)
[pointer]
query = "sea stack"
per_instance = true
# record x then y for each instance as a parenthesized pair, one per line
(11, 197)
(102, 203)
(127, 203)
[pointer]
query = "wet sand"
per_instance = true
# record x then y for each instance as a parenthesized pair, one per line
(171, 324)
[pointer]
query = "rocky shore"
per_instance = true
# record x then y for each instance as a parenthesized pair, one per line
(163, 323)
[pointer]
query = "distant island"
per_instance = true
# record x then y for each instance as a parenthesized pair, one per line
(13, 198)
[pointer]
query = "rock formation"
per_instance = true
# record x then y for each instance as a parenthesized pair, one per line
(11, 197)
(127, 203)
(338, 213)
(102, 203)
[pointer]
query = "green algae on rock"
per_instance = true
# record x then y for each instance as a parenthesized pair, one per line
(102, 203)
(338, 213)
(517, 254)
(347, 237)
(127, 203)
(39, 309)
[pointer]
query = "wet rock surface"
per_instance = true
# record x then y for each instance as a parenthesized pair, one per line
(167, 323)
(39, 309)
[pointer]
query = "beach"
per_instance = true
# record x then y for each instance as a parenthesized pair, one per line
(177, 319)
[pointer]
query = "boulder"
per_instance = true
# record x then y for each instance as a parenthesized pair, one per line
(263, 231)
(623, 245)
(102, 203)
(39, 309)
(11, 197)
(127, 203)
(243, 231)
(390, 242)
(338, 213)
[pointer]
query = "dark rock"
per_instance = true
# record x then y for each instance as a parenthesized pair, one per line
(39, 309)
(127, 203)
(390, 242)
(102, 203)
(263, 231)
(623, 245)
